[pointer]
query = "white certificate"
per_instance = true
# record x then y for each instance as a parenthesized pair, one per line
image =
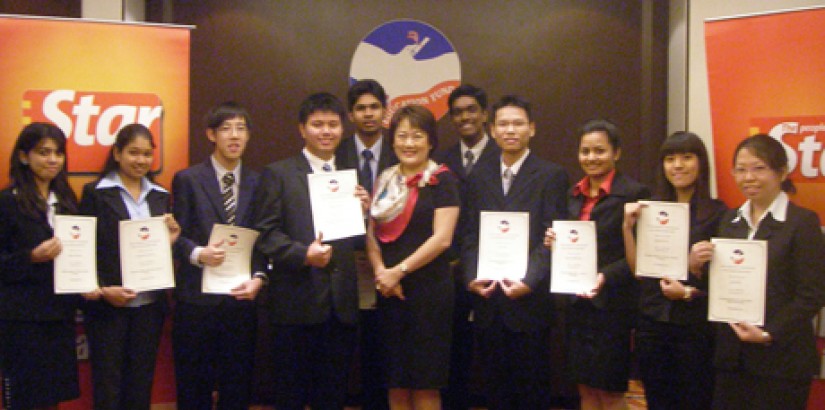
(662, 235)
(75, 268)
(504, 245)
(237, 243)
(336, 211)
(575, 265)
(146, 255)
(738, 277)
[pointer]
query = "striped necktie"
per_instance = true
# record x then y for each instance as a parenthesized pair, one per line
(229, 204)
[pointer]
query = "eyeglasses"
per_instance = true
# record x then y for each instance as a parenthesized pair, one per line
(226, 129)
(758, 170)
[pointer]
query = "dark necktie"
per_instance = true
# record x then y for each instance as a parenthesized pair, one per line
(327, 168)
(229, 204)
(470, 157)
(366, 170)
(506, 180)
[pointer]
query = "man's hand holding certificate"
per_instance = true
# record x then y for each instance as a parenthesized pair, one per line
(504, 245)
(336, 210)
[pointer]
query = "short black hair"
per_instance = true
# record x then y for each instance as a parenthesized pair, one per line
(225, 111)
(322, 101)
(468, 90)
(367, 86)
(512, 101)
(601, 125)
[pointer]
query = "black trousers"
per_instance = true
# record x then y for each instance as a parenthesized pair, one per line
(123, 346)
(371, 355)
(517, 367)
(675, 364)
(214, 348)
(311, 364)
(744, 391)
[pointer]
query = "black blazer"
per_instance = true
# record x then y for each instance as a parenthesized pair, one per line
(795, 293)
(198, 205)
(455, 161)
(620, 289)
(26, 288)
(347, 156)
(299, 294)
(107, 205)
(538, 188)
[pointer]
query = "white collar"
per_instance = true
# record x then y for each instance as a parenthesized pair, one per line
(112, 180)
(516, 165)
(476, 149)
(317, 164)
(778, 210)
(221, 171)
(375, 148)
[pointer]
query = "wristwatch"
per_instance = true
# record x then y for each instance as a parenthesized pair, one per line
(403, 267)
(688, 293)
(262, 276)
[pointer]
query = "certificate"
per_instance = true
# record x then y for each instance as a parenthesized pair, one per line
(662, 236)
(75, 268)
(237, 243)
(575, 266)
(738, 277)
(336, 211)
(146, 255)
(504, 245)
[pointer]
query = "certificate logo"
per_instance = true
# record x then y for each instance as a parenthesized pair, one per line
(413, 61)
(573, 235)
(74, 232)
(737, 256)
(333, 185)
(663, 218)
(233, 240)
(504, 226)
(143, 233)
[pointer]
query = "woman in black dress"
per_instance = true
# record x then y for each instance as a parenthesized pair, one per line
(674, 340)
(414, 213)
(37, 333)
(770, 366)
(600, 321)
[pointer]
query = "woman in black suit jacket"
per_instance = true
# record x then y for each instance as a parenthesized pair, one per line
(599, 322)
(37, 336)
(124, 327)
(770, 367)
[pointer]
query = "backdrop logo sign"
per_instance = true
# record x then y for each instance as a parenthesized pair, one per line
(91, 120)
(413, 61)
(802, 138)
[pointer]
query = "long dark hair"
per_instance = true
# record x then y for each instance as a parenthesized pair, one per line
(685, 142)
(29, 199)
(124, 137)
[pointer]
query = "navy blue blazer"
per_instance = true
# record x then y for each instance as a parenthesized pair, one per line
(198, 205)
(26, 288)
(538, 188)
(455, 161)
(299, 294)
(795, 292)
(347, 157)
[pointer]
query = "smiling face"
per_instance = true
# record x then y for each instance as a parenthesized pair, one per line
(512, 130)
(597, 157)
(135, 159)
(757, 181)
(412, 146)
(45, 160)
(468, 118)
(230, 140)
(681, 170)
(367, 115)
(322, 132)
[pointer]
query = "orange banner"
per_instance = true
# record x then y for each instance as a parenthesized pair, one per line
(90, 79)
(765, 75)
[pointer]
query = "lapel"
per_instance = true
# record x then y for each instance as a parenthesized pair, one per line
(208, 179)
(490, 150)
(349, 156)
(302, 169)
(489, 177)
(523, 181)
(157, 203)
(245, 192)
(112, 198)
(768, 227)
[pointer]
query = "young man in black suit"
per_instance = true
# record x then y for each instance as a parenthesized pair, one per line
(370, 152)
(513, 317)
(313, 296)
(214, 335)
(468, 113)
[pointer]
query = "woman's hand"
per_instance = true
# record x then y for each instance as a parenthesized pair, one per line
(672, 289)
(595, 291)
(631, 215)
(47, 250)
(117, 296)
(749, 333)
(172, 225)
(483, 288)
(549, 238)
(364, 197)
(515, 289)
(700, 254)
(387, 279)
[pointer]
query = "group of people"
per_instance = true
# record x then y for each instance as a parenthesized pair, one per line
(405, 296)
